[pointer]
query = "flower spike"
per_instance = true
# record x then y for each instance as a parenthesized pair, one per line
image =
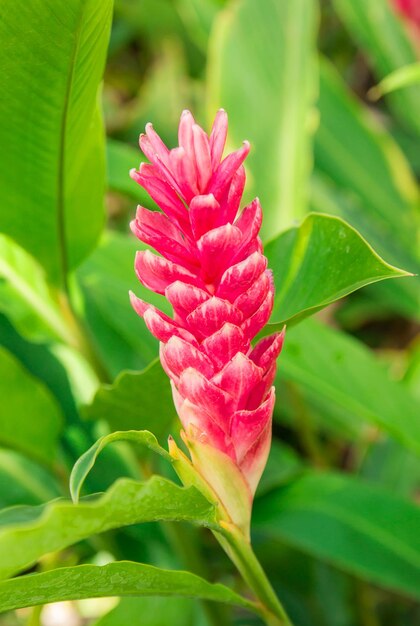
(212, 270)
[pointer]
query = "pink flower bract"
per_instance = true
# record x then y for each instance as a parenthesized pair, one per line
(212, 270)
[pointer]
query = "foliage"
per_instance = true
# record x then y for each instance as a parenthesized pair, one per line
(334, 128)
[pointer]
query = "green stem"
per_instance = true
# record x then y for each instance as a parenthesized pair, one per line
(240, 552)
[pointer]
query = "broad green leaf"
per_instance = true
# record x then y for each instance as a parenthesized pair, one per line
(391, 465)
(106, 278)
(24, 482)
(367, 166)
(30, 419)
(400, 78)
(341, 377)
(283, 464)
(123, 578)
(55, 364)
(87, 460)
(354, 151)
(198, 17)
(386, 41)
(397, 295)
(52, 175)
(26, 298)
(136, 400)
(262, 70)
(27, 533)
(357, 527)
(318, 263)
(154, 611)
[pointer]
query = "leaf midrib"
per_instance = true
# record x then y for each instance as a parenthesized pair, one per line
(61, 223)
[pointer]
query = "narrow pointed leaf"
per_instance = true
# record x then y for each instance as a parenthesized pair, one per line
(123, 578)
(87, 460)
(385, 39)
(316, 264)
(27, 533)
(54, 163)
(362, 529)
(383, 235)
(398, 79)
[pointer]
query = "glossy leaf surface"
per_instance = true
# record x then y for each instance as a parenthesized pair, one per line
(27, 533)
(316, 264)
(54, 166)
(122, 578)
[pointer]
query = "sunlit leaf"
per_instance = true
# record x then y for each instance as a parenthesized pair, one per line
(52, 175)
(383, 234)
(400, 78)
(27, 533)
(262, 70)
(85, 463)
(26, 297)
(317, 263)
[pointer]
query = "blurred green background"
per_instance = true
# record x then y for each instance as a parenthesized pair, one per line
(295, 78)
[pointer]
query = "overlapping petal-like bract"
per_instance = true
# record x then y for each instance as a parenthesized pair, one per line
(212, 270)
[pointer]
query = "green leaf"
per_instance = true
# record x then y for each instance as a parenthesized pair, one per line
(385, 40)
(122, 578)
(354, 151)
(30, 419)
(382, 233)
(136, 401)
(106, 278)
(27, 533)
(283, 464)
(24, 482)
(26, 298)
(154, 611)
(262, 70)
(318, 263)
(359, 528)
(87, 460)
(367, 167)
(340, 376)
(400, 78)
(54, 165)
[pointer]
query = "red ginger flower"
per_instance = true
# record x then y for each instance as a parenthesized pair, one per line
(410, 9)
(213, 272)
